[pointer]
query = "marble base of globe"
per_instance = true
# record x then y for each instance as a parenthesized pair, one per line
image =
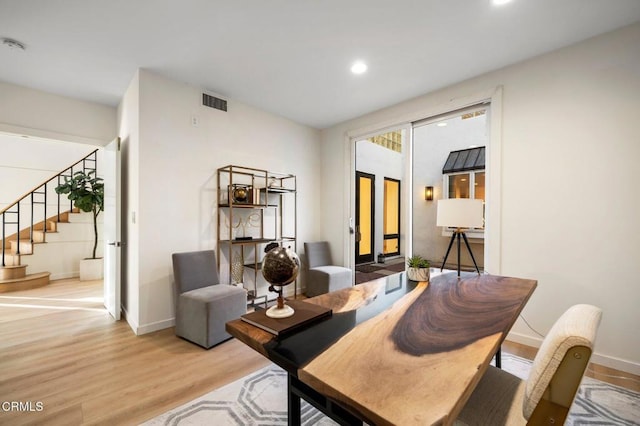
(285, 312)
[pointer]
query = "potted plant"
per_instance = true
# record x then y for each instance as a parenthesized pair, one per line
(418, 268)
(86, 190)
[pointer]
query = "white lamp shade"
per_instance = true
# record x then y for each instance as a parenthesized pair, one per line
(460, 213)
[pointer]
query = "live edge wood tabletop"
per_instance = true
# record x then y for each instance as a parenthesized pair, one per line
(396, 351)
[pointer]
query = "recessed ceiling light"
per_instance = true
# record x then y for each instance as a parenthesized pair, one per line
(13, 44)
(358, 67)
(441, 124)
(500, 2)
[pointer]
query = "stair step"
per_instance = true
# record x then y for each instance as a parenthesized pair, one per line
(29, 281)
(39, 236)
(38, 228)
(25, 247)
(12, 272)
(52, 226)
(64, 218)
(11, 259)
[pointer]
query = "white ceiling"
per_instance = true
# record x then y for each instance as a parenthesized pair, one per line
(290, 57)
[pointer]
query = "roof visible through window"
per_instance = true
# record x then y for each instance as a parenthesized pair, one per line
(465, 160)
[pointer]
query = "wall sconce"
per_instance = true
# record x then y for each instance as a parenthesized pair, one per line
(428, 193)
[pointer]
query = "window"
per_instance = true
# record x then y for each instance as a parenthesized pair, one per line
(479, 187)
(465, 185)
(464, 177)
(459, 186)
(391, 140)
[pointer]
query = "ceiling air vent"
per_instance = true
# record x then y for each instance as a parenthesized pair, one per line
(213, 102)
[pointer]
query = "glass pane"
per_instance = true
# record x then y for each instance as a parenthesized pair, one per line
(479, 190)
(391, 246)
(479, 185)
(365, 216)
(391, 205)
(459, 186)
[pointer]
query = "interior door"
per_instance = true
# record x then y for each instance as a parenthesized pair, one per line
(112, 228)
(391, 217)
(365, 217)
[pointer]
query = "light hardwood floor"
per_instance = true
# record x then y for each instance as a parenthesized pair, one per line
(61, 348)
(58, 346)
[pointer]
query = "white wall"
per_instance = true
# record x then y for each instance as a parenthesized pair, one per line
(569, 204)
(174, 196)
(129, 133)
(36, 113)
(28, 162)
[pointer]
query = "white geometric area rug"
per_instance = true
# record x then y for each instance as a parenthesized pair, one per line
(261, 399)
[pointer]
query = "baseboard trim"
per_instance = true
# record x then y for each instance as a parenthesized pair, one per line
(155, 326)
(146, 328)
(617, 363)
(65, 275)
(125, 315)
(596, 358)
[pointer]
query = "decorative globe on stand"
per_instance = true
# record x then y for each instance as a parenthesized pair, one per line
(280, 267)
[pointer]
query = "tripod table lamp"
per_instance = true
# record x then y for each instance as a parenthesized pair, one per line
(460, 213)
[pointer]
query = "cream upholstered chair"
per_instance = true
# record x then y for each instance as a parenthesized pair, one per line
(546, 396)
(203, 306)
(322, 275)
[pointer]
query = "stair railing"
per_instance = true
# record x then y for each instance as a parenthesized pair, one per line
(38, 196)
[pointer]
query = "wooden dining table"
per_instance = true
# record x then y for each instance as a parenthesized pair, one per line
(395, 351)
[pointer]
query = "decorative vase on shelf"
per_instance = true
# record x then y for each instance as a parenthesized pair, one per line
(237, 268)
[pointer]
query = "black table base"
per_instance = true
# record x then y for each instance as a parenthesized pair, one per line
(296, 390)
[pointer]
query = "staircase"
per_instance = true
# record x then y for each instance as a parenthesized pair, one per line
(30, 218)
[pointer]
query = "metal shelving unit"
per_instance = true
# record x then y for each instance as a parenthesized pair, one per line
(255, 207)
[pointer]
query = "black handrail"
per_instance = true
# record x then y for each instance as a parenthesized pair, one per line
(41, 190)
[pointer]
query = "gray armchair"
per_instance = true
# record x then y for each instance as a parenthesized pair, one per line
(322, 276)
(203, 306)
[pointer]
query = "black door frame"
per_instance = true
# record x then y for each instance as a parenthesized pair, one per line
(368, 257)
(394, 236)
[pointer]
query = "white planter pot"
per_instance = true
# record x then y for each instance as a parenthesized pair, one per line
(91, 269)
(418, 274)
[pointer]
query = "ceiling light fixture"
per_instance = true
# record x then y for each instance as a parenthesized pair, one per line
(358, 67)
(500, 2)
(441, 124)
(13, 44)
